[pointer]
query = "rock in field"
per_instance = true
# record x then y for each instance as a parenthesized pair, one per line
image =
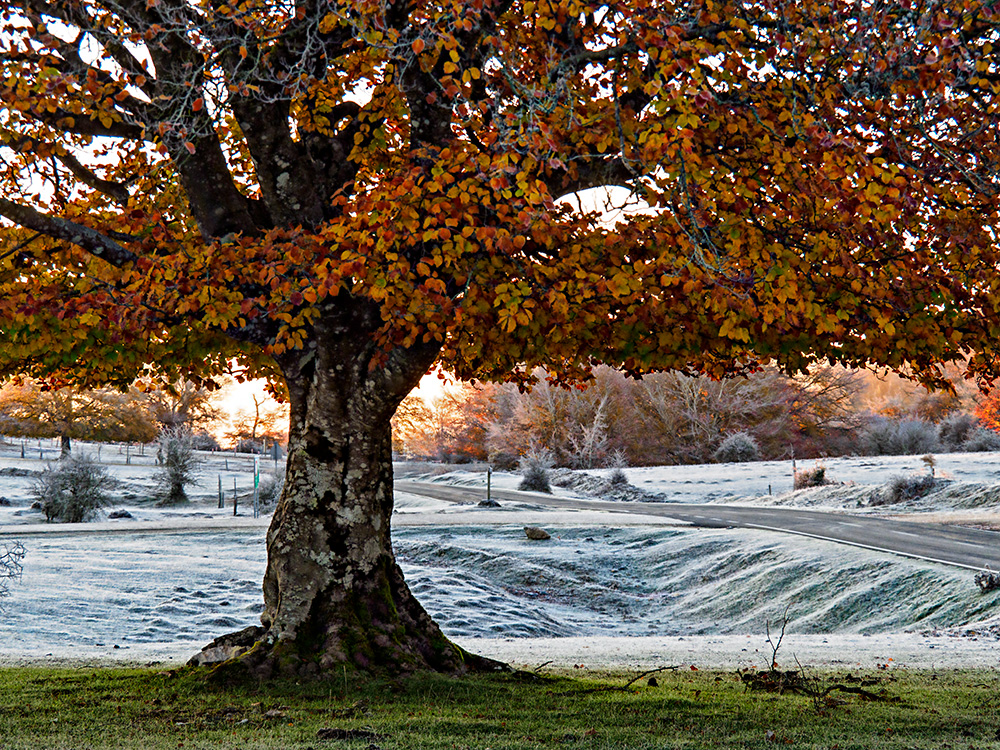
(533, 532)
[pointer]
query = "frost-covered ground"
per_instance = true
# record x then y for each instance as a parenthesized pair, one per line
(607, 589)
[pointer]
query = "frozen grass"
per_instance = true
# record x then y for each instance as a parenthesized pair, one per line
(157, 710)
(83, 594)
(117, 596)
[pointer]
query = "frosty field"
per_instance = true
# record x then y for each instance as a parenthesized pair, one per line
(606, 589)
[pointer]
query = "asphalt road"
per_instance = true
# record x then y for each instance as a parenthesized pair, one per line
(962, 547)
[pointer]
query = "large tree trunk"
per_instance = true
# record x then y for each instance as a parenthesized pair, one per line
(333, 593)
(65, 448)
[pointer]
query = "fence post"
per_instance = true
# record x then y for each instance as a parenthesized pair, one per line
(256, 486)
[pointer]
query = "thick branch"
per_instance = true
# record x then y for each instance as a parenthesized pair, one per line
(62, 229)
(114, 190)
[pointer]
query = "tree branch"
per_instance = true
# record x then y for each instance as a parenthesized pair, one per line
(82, 236)
(114, 190)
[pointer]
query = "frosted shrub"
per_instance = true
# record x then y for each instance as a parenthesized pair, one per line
(981, 440)
(535, 467)
(73, 490)
(898, 437)
(271, 485)
(503, 461)
(618, 463)
(814, 477)
(204, 441)
(955, 429)
(903, 489)
(177, 466)
(737, 448)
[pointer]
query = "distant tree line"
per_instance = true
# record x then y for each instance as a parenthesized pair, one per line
(672, 418)
(35, 409)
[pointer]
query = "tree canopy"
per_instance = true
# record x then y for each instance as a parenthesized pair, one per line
(340, 194)
(29, 410)
(197, 177)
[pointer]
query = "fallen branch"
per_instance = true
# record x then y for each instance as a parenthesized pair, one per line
(617, 688)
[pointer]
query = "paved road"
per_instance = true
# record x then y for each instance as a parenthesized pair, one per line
(974, 549)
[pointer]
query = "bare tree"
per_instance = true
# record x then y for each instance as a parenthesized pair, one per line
(11, 555)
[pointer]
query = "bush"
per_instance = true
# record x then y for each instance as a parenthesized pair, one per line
(902, 489)
(73, 490)
(536, 479)
(618, 463)
(617, 477)
(269, 490)
(898, 437)
(177, 466)
(737, 448)
(981, 440)
(204, 441)
(814, 477)
(535, 466)
(955, 429)
(503, 461)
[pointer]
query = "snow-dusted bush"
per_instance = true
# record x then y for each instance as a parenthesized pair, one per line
(737, 448)
(271, 485)
(955, 429)
(73, 490)
(898, 437)
(536, 479)
(535, 467)
(503, 461)
(814, 477)
(618, 462)
(901, 489)
(204, 441)
(981, 440)
(177, 466)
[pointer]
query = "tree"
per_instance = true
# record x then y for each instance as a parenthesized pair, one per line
(451, 427)
(263, 425)
(339, 195)
(181, 404)
(11, 554)
(29, 409)
(178, 466)
(74, 490)
(988, 410)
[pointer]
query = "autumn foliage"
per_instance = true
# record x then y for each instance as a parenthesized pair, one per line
(822, 182)
(988, 410)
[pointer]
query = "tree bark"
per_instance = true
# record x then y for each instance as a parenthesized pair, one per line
(65, 448)
(333, 593)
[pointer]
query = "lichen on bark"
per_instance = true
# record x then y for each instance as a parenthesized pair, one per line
(333, 592)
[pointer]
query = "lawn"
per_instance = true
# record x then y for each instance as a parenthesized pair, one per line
(105, 708)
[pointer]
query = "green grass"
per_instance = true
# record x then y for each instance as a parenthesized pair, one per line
(93, 709)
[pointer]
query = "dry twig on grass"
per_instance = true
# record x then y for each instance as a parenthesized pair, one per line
(625, 687)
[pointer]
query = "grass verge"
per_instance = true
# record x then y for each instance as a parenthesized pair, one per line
(106, 708)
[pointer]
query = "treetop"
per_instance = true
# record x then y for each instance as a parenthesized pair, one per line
(185, 182)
